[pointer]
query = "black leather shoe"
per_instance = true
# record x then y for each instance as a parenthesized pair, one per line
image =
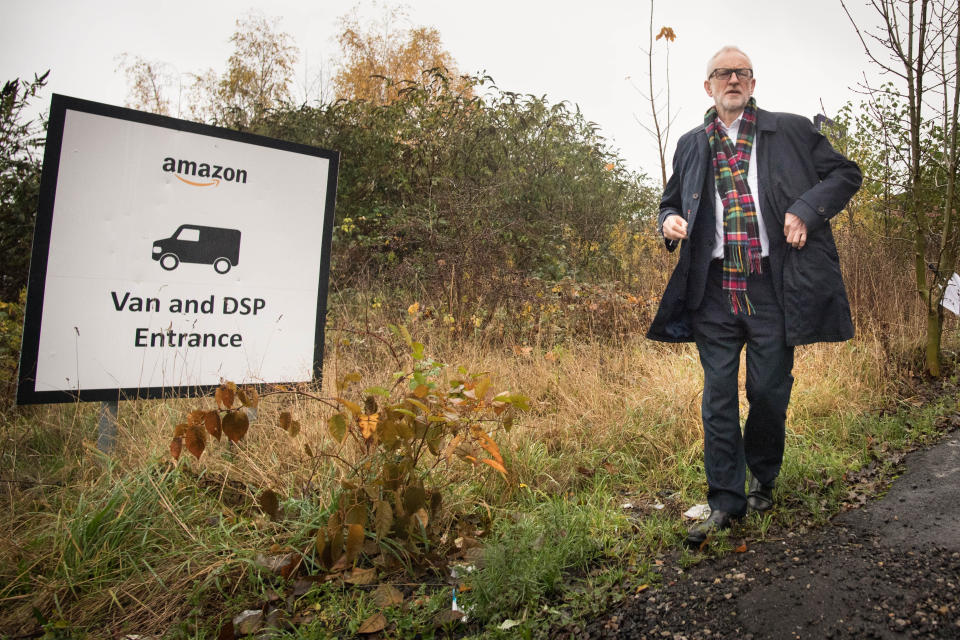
(760, 496)
(718, 520)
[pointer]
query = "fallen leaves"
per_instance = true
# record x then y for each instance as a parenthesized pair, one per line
(375, 623)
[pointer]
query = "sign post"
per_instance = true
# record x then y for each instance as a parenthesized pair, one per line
(170, 256)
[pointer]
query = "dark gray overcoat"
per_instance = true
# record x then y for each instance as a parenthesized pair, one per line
(800, 173)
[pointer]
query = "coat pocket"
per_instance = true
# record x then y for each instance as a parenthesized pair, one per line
(814, 299)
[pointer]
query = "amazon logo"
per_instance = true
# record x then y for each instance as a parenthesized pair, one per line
(203, 174)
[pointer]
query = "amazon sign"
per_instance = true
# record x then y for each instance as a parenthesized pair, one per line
(170, 255)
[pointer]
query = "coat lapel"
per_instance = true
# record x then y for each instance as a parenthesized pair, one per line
(766, 130)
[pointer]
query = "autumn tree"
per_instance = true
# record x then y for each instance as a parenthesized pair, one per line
(258, 77)
(151, 83)
(380, 57)
(448, 190)
(917, 46)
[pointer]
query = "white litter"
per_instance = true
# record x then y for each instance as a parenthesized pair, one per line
(697, 512)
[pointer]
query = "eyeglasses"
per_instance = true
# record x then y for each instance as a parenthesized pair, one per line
(724, 74)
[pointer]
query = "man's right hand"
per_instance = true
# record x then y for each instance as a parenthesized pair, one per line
(675, 227)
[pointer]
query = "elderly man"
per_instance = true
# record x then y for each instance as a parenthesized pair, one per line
(749, 204)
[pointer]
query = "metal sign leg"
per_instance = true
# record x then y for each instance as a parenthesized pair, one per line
(107, 426)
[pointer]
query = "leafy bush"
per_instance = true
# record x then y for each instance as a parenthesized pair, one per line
(456, 191)
(392, 461)
(20, 145)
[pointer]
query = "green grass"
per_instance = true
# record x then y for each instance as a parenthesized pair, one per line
(111, 546)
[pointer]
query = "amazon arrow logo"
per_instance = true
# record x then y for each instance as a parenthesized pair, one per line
(213, 174)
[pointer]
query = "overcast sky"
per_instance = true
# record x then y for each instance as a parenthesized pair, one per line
(804, 53)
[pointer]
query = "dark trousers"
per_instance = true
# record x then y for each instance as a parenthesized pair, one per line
(720, 337)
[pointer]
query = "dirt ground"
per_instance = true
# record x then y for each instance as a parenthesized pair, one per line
(890, 569)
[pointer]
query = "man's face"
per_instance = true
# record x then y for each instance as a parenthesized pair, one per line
(730, 94)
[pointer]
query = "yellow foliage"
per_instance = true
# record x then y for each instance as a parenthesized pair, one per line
(375, 52)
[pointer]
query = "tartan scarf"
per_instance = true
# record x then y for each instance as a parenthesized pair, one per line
(741, 233)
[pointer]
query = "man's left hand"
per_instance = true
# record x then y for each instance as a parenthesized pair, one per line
(795, 230)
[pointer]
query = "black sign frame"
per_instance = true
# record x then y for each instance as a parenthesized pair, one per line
(29, 353)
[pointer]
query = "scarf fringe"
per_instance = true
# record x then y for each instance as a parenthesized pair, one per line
(740, 301)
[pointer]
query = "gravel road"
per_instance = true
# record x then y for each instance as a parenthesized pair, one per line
(890, 570)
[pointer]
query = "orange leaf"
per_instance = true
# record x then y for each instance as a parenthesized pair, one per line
(211, 420)
(496, 465)
(666, 32)
(225, 394)
(195, 440)
(195, 418)
(489, 445)
(741, 549)
(368, 424)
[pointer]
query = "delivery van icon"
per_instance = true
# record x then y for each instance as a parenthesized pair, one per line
(196, 244)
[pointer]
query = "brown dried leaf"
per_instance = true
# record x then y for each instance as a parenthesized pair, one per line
(357, 514)
(195, 418)
(323, 550)
(284, 420)
(180, 430)
(375, 623)
(226, 631)
(225, 395)
(235, 425)
(342, 564)
(354, 542)
(195, 440)
(447, 617)
(176, 447)
(269, 503)
(413, 499)
(360, 576)
(211, 421)
(249, 397)
(387, 595)
(383, 518)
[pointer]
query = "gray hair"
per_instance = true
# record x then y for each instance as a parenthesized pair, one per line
(722, 51)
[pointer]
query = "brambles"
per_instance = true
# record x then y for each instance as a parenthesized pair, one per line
(391, 450)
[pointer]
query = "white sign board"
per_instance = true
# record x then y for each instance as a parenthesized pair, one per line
(169, 256)
(951, 296)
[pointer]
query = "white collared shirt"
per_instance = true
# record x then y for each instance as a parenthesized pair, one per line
(732, 131)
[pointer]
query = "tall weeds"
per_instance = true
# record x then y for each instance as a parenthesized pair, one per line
(131, 539)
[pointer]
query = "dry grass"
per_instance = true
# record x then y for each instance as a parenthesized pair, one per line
(617, 405)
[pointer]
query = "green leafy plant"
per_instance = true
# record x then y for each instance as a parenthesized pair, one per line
(392, 456)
